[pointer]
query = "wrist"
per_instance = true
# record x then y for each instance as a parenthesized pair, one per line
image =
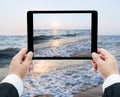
(111, 73)
(112, 79)
(16, 81)
(17, 74)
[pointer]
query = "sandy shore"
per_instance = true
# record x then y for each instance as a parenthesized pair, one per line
(83, 54)
(59, 42)
(93, 92)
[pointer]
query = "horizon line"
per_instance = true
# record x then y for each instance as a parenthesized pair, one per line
(27, 35)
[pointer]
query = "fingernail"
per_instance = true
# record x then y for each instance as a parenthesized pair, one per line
(30, 53)
(94, 54)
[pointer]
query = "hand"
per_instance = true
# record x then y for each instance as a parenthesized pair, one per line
(105, 63)
(20, 63)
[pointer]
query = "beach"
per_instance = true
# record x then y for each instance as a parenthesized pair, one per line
(62, 82)
(58, 78)
(93, 92)
(42, 72)
(62, 42)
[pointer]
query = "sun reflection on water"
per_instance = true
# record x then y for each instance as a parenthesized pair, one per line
(46, 66)
(56, 43)
(43, 66)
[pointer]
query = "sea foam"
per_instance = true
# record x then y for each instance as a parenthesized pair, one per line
(62, 82)
(64, 50)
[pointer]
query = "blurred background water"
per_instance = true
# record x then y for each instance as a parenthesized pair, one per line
(10, 45)
(57, 78)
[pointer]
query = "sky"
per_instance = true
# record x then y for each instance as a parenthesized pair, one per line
(62, 21)
(13, 19)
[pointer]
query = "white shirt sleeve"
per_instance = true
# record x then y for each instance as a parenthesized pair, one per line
(112, 79)
(16, 81)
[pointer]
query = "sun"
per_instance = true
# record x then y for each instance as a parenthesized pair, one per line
(55, 25)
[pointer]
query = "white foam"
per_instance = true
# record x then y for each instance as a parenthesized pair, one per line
(62, 83)
(64, 50)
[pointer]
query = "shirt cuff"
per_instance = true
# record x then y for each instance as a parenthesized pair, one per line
(112, 79)
(15, 81)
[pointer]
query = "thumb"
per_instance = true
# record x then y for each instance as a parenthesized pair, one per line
(97, 58)
(28, 58)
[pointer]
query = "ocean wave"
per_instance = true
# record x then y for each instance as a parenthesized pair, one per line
(43, 35)
(48, 37)
(64, 50)
(70, 35)
(117, 44)
(63, 82)
(7, 54)
(44, 38)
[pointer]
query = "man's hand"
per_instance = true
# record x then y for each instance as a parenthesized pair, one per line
(105, 63)
(20, 63)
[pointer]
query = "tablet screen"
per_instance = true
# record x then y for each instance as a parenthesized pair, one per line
(62, 35)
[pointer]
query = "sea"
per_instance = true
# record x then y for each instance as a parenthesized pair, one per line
(62, 42)
(58, 78)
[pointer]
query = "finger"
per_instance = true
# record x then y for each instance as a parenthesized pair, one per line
(21, 54)
(103, 52)
(94, 69)
(97, 59)
(28, 58)
(31, 67)
(94, 64)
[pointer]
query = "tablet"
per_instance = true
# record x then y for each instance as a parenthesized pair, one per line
(70, 34)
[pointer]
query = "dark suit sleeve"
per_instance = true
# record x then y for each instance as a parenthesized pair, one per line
(8, 90)
(112, 91)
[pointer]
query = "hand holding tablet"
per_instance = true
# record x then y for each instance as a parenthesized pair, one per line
(62, 34)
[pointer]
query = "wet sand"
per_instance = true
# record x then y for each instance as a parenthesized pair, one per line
(93, 92)
(83, 54)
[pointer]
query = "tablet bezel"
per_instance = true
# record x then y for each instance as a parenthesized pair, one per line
(94, 27)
